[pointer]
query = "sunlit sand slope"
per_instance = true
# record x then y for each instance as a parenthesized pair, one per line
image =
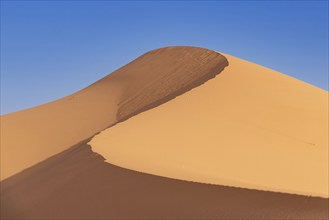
(249, 127)
(33, 135)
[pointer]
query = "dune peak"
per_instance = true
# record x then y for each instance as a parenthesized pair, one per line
(170, 71)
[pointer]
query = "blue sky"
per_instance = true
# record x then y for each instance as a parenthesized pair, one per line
(50, 49)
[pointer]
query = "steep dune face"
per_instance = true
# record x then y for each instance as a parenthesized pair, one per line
(33, 135)
(249, 127)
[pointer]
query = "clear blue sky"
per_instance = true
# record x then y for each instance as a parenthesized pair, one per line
(50, 49)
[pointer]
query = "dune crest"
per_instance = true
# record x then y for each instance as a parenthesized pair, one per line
(33, 135)
(250, 127)
(171, 72)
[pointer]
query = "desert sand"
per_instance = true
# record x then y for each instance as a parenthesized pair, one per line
(249, 127)
(237, 141)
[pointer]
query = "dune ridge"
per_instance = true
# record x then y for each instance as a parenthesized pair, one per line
(146, 82)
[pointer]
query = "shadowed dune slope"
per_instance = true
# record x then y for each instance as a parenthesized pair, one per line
(33, 135)
(78, 184)
(250, 127)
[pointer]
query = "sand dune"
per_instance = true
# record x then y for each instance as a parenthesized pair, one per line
(249, 127)
(51, 128)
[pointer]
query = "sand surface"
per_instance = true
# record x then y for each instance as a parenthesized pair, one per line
(78, 184)
(33, 135)
(249, 127)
